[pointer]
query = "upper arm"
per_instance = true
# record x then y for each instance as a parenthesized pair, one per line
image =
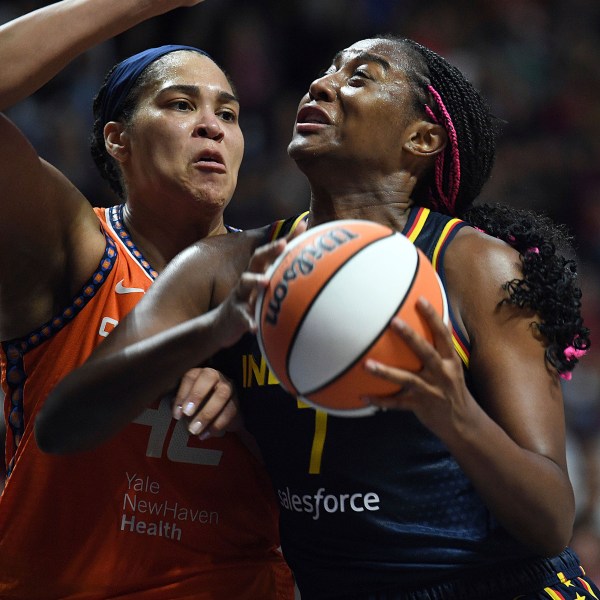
(508, 372)
(179, 294)
(31, 189)
(50, 240)
(195, 281)
(166, 334)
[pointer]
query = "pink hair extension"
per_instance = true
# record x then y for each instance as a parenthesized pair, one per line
(572, 352)
(534, 249)
(449, 200)
(439, 168)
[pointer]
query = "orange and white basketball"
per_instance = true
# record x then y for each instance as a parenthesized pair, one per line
(331, 297)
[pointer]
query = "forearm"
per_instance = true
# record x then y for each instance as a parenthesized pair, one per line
(529, 494)
(157, 342)
(97, 400)
(36, 46)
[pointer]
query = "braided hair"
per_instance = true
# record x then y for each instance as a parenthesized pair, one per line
(549, 283)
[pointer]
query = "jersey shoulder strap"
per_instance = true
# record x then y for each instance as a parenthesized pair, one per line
(284, 227)
(432, 232)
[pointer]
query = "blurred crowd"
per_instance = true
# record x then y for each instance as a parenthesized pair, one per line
(537, 62)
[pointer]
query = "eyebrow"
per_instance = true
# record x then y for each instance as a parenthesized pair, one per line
(194, 90)
(366, 57)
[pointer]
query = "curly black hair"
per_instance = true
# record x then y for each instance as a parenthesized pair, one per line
(549, 283)
(549, 277)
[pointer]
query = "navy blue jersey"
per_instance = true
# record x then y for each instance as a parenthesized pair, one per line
(370, 502)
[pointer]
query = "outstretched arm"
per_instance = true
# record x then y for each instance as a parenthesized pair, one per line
(36, 46)
(50, 239)
(165, 335)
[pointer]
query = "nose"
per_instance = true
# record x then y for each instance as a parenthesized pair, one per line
(323, 88)
(209, 127)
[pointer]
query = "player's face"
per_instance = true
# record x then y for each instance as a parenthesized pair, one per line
(358, 110)
(184, 138)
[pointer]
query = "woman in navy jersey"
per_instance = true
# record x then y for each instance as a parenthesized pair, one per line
(460, 489)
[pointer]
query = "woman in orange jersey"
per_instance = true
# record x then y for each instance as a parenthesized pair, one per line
(154, 513)
(460, 490)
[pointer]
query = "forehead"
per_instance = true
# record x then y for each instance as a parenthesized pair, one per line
(385, 50)
(190, 68)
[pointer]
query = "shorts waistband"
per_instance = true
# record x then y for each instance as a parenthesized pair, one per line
(502, 582)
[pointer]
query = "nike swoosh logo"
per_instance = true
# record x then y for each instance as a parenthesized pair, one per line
(121, 289)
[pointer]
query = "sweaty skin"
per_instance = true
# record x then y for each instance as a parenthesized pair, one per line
(343, 127)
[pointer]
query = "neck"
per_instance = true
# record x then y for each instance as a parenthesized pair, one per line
(342, 193)
(385, 207)
(161, 238)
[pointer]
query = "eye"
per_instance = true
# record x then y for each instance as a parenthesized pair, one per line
(228, 115)
(182, 105)
(359, 76)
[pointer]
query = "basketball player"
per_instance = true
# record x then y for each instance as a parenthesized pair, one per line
(460, 489)
(154, 513)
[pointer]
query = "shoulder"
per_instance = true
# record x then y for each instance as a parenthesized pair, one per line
(482, 255)
(214, 252)
(204, 273)
(477, 268)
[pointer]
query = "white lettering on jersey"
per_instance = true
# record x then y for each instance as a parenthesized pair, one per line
(107, 326)
(330, 503)
(159, 420)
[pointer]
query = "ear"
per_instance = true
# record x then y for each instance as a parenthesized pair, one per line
(426, 139)
(116, 140)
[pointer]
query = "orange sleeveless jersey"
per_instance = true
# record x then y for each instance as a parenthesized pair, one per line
(153, 513)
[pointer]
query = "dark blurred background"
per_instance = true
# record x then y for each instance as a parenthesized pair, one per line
(536, 61)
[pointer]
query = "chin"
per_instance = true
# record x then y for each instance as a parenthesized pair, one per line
(293, 148)
(211, 195)
(301, 149)
(210, 202)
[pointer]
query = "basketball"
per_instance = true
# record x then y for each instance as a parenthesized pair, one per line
(331, 297)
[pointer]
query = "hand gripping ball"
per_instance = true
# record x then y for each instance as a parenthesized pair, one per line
(331, 297)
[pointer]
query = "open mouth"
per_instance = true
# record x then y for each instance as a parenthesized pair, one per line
(212, 161)
(312, 115)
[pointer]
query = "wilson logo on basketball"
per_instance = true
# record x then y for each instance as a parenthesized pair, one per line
(353, 277)
(303, 264)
